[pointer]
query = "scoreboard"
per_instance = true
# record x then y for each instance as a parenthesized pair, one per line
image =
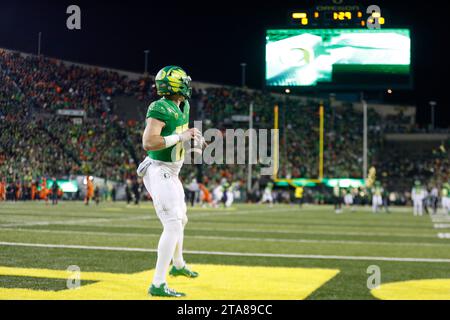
(338, 58)
(338, 45)
(339, 16)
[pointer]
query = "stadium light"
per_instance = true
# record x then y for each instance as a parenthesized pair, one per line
(243, 65)
(39, 43)
(432, 105)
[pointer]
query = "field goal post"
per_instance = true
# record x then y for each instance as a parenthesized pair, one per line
(320, 177)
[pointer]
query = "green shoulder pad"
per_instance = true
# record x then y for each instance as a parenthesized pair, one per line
(159, 110)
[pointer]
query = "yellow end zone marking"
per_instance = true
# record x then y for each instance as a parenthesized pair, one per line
(215, 282)
(431, 289)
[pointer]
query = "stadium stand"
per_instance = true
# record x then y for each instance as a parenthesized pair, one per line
(105, 138)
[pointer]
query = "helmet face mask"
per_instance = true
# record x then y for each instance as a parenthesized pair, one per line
(173, 80)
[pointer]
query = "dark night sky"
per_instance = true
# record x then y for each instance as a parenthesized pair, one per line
(211, 38)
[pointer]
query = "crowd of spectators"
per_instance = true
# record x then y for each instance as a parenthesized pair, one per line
(37, 141)
(431, 165)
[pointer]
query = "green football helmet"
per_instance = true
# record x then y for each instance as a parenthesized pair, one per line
(172, 80)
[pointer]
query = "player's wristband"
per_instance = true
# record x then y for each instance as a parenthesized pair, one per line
(172, 140)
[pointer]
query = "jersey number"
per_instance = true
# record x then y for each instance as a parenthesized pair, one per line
(179, 149)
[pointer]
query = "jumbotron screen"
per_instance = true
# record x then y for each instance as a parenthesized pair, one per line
(334, 58)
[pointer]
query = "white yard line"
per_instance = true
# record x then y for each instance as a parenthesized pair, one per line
(141, 217)
(441, 218)
(193, 214)
(73, 221)
(331, 233)
(100, 221)
(441, 226)
(240, 212)
(144, 235)
(222, 253)
(344, 233)
(112, 219)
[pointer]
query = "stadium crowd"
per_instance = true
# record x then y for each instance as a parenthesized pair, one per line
(36, 141)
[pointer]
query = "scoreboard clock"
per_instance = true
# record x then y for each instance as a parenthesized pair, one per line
(339, 15)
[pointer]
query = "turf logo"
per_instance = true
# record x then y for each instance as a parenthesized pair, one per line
(426, 289)
(224, 282)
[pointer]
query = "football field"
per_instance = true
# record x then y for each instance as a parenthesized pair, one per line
(245, 252)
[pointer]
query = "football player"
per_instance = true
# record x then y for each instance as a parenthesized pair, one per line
(267, 195)
(377, 197)
(217, 195)
(337, 199)
(163, 138)
(445, 195)
(348, 199)
(418, 194)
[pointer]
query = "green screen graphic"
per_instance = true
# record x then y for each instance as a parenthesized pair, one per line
(64, 185)
(338, 57)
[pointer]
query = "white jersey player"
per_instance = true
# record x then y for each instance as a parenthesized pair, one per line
(377, 197)
(418, 195)
(217, 195)
(348, 199)
(267, 194)
(445, 196)
(228, 198)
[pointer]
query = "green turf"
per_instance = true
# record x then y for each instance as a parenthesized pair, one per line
(36, 283)
(283, 229)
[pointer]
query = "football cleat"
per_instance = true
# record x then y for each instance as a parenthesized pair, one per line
(164, 291)
(185, 271)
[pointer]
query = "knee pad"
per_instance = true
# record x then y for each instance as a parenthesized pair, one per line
(173, 227)
(170, 212)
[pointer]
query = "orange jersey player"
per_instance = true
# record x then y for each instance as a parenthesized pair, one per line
(43, 195)
(2, 190)
(33, 190)
(18, 190)
(206, 195)
(89, 190)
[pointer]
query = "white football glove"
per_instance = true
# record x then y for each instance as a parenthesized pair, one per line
(189, 134)
(201, 142)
